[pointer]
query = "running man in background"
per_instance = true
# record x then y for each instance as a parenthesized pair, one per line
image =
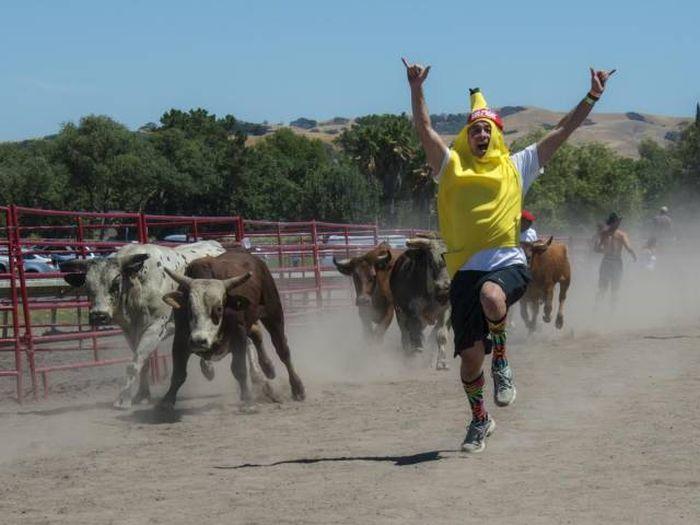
(611, 241)
(480, 192)
(527, 232)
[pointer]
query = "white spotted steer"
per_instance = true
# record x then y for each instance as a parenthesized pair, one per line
(127, 289)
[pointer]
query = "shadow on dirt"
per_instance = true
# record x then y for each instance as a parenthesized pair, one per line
(399, 461)
(153, 416)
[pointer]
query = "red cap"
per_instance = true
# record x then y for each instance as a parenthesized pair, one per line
(527, 216)
(487, 114)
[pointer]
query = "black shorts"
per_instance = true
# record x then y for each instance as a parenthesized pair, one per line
(610, 275)
(468, 320)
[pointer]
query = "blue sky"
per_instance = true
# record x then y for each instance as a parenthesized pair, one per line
(278, 60)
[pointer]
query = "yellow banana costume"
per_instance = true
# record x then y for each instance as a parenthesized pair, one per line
(479, 198)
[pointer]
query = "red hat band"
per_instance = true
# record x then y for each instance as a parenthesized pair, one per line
(487, 114)
(528, 216)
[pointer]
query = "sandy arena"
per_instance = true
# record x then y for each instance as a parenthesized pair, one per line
(606, 428)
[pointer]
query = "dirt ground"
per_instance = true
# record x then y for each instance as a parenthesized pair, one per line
(606, 428)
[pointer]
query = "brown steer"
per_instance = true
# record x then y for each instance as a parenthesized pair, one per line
(218, 301)
(370, 274)
(549, 265)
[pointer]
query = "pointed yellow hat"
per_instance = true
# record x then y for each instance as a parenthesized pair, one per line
(480, 109)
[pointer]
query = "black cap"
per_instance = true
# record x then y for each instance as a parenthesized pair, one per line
(613, 218)
(474, 90)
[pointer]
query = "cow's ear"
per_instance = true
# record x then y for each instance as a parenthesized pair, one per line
(344, 266)
(382, 262)
(134, 263)
(237, 302)
(175, 299)
(549, 241)
(75, 271)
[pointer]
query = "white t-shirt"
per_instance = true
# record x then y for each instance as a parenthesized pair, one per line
(527, 163)
(529, 235)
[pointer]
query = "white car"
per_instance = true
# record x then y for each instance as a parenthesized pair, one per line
(367, 242)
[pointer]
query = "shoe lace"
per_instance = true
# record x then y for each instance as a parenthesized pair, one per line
(502, 380)
(476, 432)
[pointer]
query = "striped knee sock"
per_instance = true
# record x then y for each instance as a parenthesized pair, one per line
(475, 395)
(498, 342)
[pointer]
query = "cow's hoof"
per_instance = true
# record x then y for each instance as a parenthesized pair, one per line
(298, 392)
(546, 318)
(269, 393)
(140, 398)
(248, 408)
(165, 407)
(207, 369)
(122, 404)
(559, 323)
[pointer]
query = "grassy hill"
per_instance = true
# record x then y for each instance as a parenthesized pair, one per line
(621, 131)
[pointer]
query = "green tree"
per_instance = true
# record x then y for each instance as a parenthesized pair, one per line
(108, 166)
(386, 148)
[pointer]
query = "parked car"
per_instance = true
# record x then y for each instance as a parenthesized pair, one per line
(366, 241)
(181, 237)
(56, 254)
(31, 264)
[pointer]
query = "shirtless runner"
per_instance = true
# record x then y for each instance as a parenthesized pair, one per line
(611, 240)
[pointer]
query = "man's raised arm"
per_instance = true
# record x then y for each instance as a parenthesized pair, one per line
(566, 126)
(435, 149)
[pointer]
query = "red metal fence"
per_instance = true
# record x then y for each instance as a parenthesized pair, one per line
(44, 322)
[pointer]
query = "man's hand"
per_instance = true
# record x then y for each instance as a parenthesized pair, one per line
(598, 80)
(416, 73)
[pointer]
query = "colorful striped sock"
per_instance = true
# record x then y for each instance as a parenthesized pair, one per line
(498, 343)
(475, 395)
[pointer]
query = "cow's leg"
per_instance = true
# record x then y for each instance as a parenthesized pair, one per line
(535, 303)
(275, 326)
(548, 299)
(415, 333)
(563, 288)
(524, 313)
(402, 321)
(383, 324)
(257, 376)
(239, 350)
(146, 345)
(256, 336)
(144, 391)
(181, 354)
(440, 332)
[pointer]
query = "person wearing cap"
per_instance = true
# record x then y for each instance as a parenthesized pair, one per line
(527, 232)
(662, 225)
(480, 192)
(611, 241)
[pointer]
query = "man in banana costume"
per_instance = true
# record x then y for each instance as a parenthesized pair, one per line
(481, 187)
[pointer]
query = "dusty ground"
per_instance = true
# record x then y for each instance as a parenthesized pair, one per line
(606, 428)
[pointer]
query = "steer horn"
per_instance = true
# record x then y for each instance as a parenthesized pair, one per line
(179, 279)
(418, 243)
(344, 266)
(232, 282)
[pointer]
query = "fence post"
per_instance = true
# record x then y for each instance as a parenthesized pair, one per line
(317, 268)
(16, 255)
(19, 365)
(142, 228)
(195, 230)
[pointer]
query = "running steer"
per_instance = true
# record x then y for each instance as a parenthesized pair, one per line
(549, 265)
(370, 275)
(420, 285)
(217, 303)
(126, 289)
